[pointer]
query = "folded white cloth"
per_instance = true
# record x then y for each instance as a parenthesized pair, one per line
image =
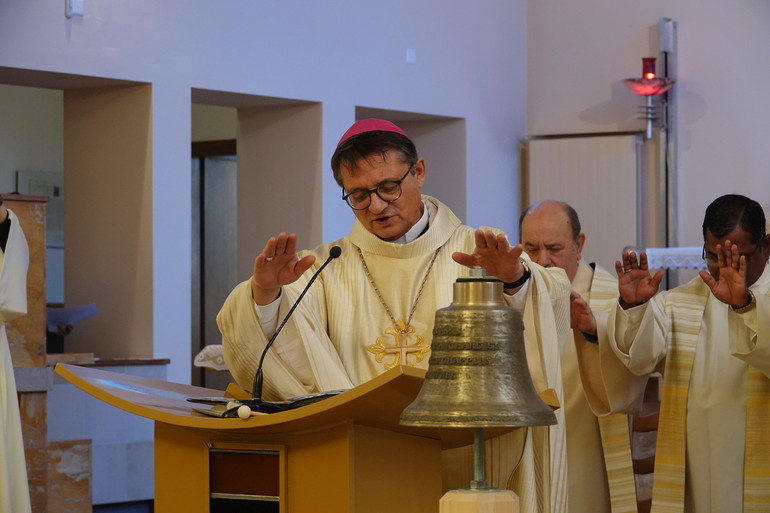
(211, 357)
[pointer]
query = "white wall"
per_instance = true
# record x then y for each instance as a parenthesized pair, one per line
(341, 53)
(30, 132)
(578, 52)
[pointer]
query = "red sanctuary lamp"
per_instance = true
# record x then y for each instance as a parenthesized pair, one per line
(649, 85)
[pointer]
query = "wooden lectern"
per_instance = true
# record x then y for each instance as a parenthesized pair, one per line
(347, 453)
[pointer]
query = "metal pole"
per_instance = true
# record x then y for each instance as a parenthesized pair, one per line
(668, 132)
(479, 482)
(649, 114)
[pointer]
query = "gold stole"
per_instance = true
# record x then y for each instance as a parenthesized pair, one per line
(614, 429)
(616, 445)
(756, 465)
(689, 302)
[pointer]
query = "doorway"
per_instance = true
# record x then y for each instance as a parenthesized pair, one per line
(214, 247)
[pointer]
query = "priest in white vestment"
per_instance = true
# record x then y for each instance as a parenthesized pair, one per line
(14, 259)
(599, 470)
(711, 339)
(374, 307)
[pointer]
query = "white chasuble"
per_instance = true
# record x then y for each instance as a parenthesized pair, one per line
(712, 453)
(14, 490)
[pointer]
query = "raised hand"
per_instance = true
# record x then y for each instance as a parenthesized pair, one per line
(581, 317)
(729, 285)
(495, 255)
(276, 266)
(635, 284)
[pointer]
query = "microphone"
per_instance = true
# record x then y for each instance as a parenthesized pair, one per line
(256, 403)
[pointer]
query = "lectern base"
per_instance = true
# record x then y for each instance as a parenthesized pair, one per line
(479, 501)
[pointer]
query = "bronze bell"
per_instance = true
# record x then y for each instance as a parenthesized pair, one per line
(478, 374)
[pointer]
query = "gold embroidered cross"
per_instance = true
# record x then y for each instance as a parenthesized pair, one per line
(399, 349)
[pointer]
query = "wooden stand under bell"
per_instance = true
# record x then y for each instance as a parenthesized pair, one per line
(478, 501)
(478, 498)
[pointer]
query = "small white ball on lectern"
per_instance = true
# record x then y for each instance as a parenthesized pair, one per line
(244, 412)
(232, 404)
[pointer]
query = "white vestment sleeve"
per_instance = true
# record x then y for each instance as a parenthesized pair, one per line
(288, 347)
(519, 299)
(750, 334)
(243, 342)
(268, 316)
(546, 331)
(544, 301)
(639, 335)
(608, 384)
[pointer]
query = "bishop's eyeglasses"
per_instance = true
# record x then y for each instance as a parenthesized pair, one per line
(389, 190)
